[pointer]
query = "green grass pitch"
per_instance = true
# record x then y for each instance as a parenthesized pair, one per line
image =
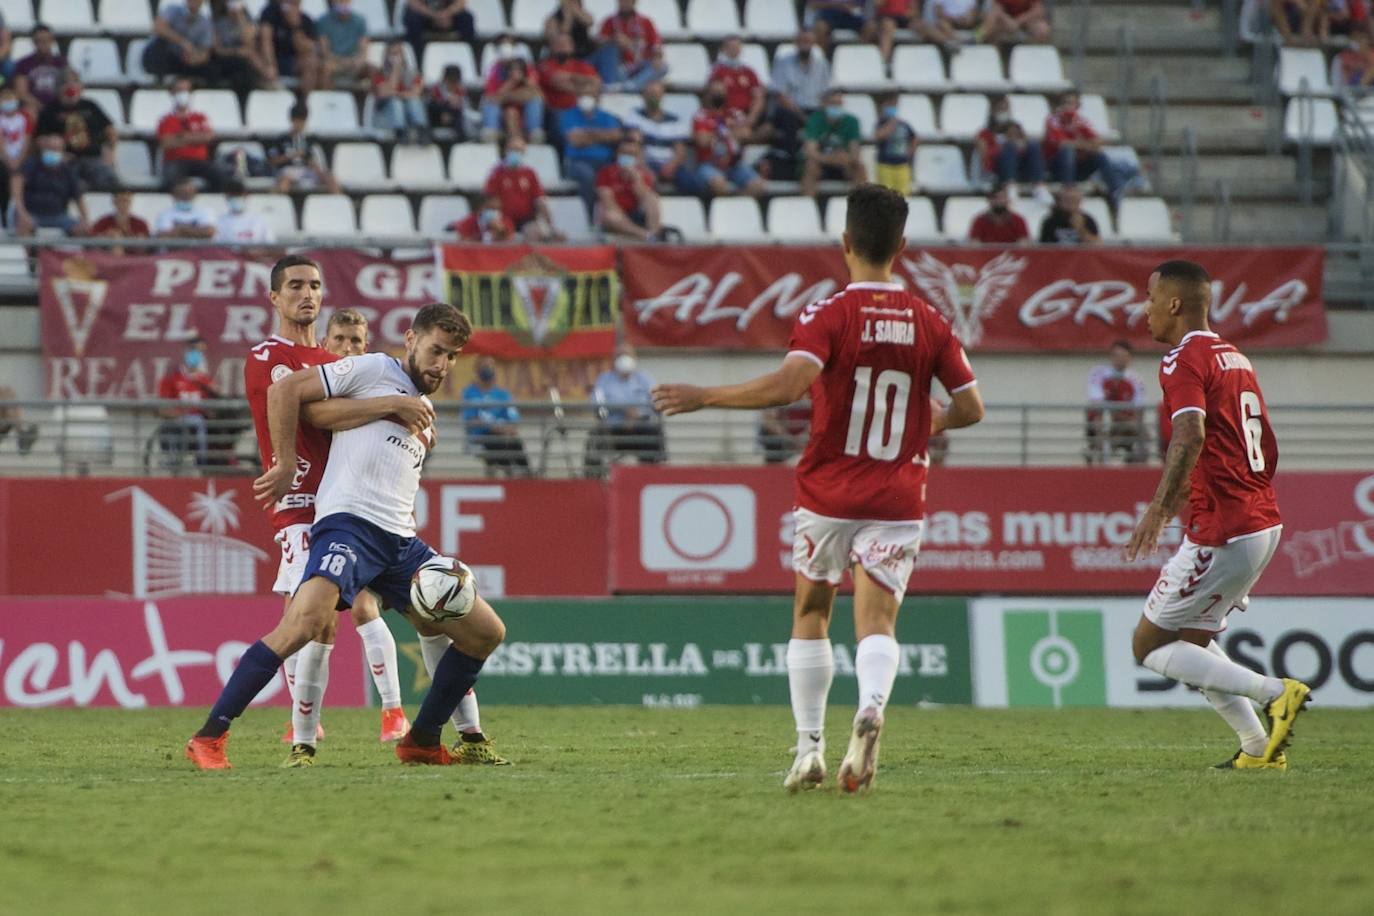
(627, 810)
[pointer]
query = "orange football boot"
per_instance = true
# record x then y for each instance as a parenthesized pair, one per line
(394, 724)
(407, 751)
(208, 753)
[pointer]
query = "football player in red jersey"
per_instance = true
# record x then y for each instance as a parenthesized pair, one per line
(1221, 458)
(867, 355)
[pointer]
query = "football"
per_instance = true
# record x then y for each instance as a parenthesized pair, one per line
(442, 589)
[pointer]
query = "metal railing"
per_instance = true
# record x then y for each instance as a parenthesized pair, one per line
(553, 439)
(1353, 152)
(1188, 190)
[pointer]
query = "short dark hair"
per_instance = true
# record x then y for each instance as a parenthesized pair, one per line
(279, 269)
(299, 112)
(1000, 186)
(444, 317)
(1192, 279)
(1123, 344)
(453, 72)
(875, 221)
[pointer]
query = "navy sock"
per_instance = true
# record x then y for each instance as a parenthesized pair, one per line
(255, 671)
(453, 676)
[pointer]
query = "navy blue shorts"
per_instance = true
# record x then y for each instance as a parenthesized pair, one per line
(355, 554)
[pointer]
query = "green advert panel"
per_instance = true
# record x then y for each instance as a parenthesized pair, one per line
(687, 652)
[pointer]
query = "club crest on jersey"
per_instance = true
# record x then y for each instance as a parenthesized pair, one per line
(280, 371)
(965, 296)
(342, 366)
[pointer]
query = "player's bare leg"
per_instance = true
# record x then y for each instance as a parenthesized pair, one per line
(876, 656)
(473, 747)
(380, 648)
(810, 670)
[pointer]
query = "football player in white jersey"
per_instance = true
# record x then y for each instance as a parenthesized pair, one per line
(364, 534)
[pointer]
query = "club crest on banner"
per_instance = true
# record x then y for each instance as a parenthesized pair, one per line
(538, 302)
(80, 297)
(964, 295)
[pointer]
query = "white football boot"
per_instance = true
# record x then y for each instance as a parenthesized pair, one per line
(808, 770)
(861, 760)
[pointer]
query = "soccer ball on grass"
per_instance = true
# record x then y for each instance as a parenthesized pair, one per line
(442, 589)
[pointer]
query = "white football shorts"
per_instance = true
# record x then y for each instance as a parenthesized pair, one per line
(295, 551)
(823, 548)
(1200, 585)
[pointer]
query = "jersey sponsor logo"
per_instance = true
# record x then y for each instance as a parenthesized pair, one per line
(341, 366)
(279, 371)
(406, 445)
(964, 296)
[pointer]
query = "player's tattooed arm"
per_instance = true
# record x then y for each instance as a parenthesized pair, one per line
(776, 389)
(338, 414)
(1185, 445)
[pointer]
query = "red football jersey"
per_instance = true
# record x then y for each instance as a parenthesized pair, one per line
(275, 358)
(740, 83)
(878, 347)
(1232, 494)
(518, 188)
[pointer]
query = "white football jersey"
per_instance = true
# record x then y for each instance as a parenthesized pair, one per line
(373, 470)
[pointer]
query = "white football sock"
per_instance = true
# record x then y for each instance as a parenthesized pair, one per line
(810, 669)
(380, 647)
(1238, 713)
(312, 676)
(875, 663)
(432, 648)
(289, 666)
(1196, 667)
(467, 718)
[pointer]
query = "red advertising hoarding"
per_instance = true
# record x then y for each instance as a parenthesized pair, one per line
(1018, 299)
(1015, 531)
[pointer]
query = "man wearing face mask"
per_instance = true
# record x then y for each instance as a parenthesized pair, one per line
(718, 165)
(43, 190)
(489, 421)
(998, 224)
(629, 423)
(589, 134)
(522, 198)
(16, 136)
(487, 224)
(1074, 149)
(665, 134)
(88, 133)
(744, 95)
(627, 204)
(831, 149)
(240, 226)
(185, 136)
(564, 78)
(190, 384)
(183, 219)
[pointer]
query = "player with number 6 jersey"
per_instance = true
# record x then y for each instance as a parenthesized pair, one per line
(868, 355)
(1222, 455)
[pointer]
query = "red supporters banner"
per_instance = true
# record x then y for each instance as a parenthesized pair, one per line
(527, 302)
(1017, 299)
(113, 326)
(169, 538)
(1009, 530)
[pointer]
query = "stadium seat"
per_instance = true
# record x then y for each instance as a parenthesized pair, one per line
(959, 214)
(147, 107)
(133, 63)
(769, 19)
(1316, 124)
(1097, 208)
(374, 13)
(621, 104)
(332, 114)
(376, 54)
(962, 115)
(713, 18)
(469, 164)
(1030, 111)
(359, 165)
(488, 16)
(683, 104)
(1034, 212)
(148, 205)
(1037, 68)
(667, 18)
(328, 215)
(68, 17)
(125, 17)
(570, 216)
(1094, 110)
(221, 106)
(688, 65)
(836, 208)
(490, 55)
(687, 215)
(919, 67)
(863, 108)
(794, 218)
(418, 168)
(18, 18)
(439, 211)
(97, 60)
(1298, 64)
(940, 168)
(978, 67)
(20, 47)
(98, 203)
(1145, 219)
(527, 17)
(134, 165)
(755, 57)
(277, 209)
(917, 111)
(858, 67)
(439, 54)
(268, 112)
(736, 218)
(920, 219)
(544, 160)
(599, 9)
(386, 215)
(110, 102)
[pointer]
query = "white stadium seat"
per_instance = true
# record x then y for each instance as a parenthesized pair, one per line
(688, 65)
(488, 16)
(148, 205)
(1034, 211)
(376, 54)
(1030, 111)
(978, 67)
(1037, 68)
(544, 160)
(269, 111)
(97, 60)
(755, 57)
(1298, 64)
(1145, 219)
(713, 18)
(570, 216)
(621, 104)
(277, 209)
(359, 165)
(683, 104)
(959, 215)
(863, 108)
(917, 111)
(687, 215)
(940, 168)
(418, 168)
(666, 16)
(858, 67)
(919, 67)
(18, 18)
(21, 47)
(1316, 124)
(221, 106)
(736, 218)
(439, 54)
(469, 164)
(134, 165)
(1094, 111)
(491, 51)
(328, 215)
(794, 218)
(920, 219)
(147, 107)
(110, 102)
(374, 13)
(527, 17)
(769, 19)
(333, 113)
(126, 17)
(963, 115)
(439, 211)
(68, 17)
(98, 203)
(386, 215)
(133, 63)
(836, 208)
(1097, 208)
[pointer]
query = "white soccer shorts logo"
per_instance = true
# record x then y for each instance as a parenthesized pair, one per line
(964, 296)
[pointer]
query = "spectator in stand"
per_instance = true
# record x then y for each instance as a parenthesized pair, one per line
(512, 103)
(398, 97)
(122, 223)
(448, 104)
(1067, 224)
(487, 224)
(896, 141)
(88, 133)
(423, 18)
(6, 50)
(184, 428)
(16, 136)
(290, 43)
(1010, 21)
(240, 226)
(590, 134)
(631, 53)
(38, 76)
(183, 45)
(999, 224)
(563, 78)
(665, 135)
(297, 161)
(1296, 20)
(831, 148)
(13, 418)
(948, 21)
(343, 46)
(1345, 18)
(1354, 67)
(184, 219)
(825, 16)
(43, 191)
(800, 80)
(1116, 422)
(629, 423)
(185, 137)
(1004, 150)
(489, 422)
(899, 14)
(572, 19)
(523, 203)
(1075, 151)
(234, 43)
(627, 204)
(717, 164)
(744, 94)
